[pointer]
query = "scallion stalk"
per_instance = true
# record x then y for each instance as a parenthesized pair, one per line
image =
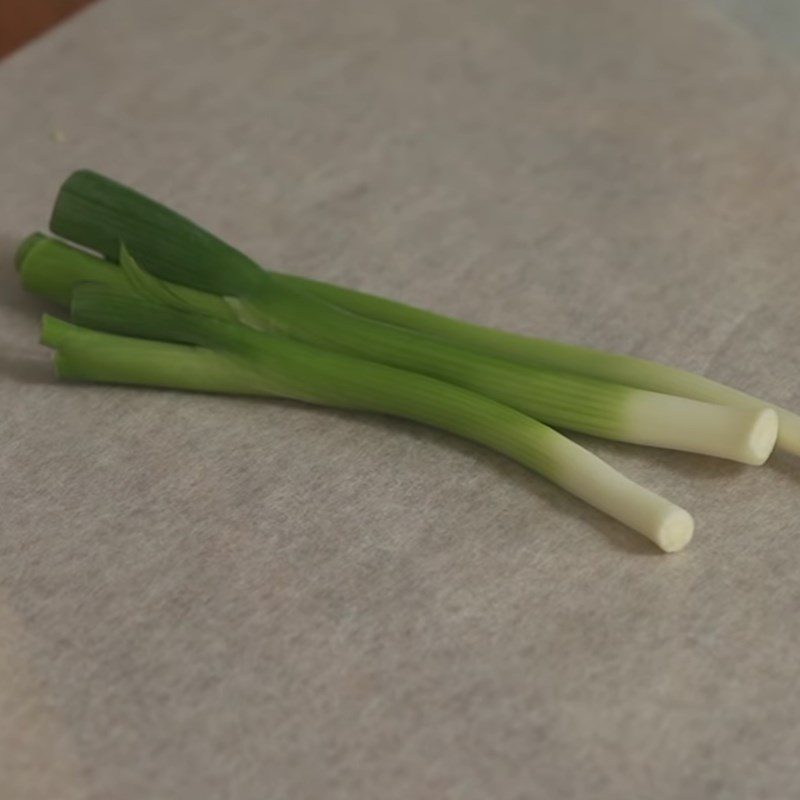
(193, 352)
(99, 213)
(560, 399)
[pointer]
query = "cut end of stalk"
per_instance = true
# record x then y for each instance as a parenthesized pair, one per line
(674, 531)
(54, 331)
(763, 435)
(25, 247)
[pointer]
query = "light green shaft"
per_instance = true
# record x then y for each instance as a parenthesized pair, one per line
(291, 369)
(285, 368)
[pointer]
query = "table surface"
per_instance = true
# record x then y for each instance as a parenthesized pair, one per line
(206, 597)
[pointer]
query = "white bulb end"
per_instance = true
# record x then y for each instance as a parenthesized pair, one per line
(674, 531)
(747, 435)
(760, 442)
(585, 475)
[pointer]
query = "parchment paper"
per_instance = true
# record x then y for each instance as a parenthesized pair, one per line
(205, 597)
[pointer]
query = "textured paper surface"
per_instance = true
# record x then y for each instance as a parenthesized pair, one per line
(204, 597)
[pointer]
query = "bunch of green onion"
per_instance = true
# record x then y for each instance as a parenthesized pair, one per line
(156, 300)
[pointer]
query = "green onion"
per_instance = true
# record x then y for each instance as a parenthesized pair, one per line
(183, 350)
(98, 213)
(560, 399)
